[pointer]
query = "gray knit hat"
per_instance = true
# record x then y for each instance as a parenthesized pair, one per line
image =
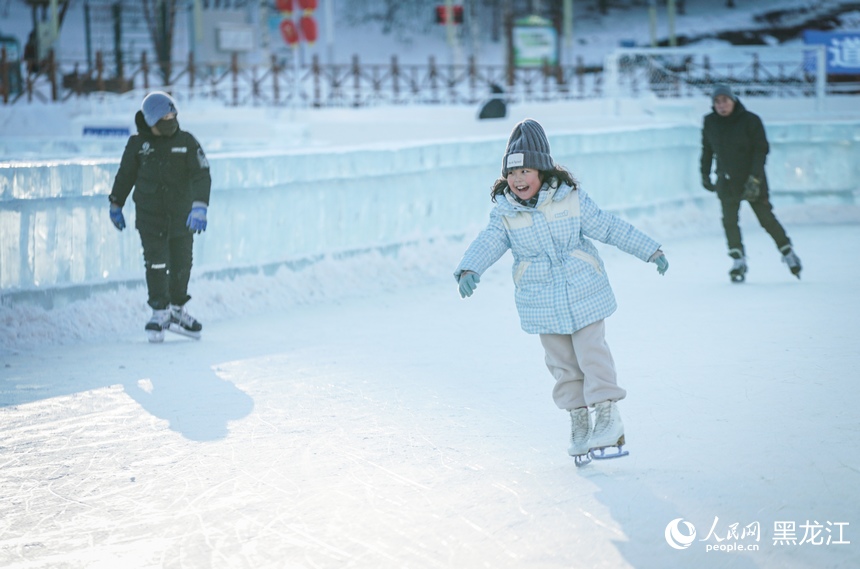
(527, 148)
(722, 89)
(156, 105)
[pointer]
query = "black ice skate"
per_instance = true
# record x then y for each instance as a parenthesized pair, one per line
(183, 323)
(790, 258)
(157, 325)
(739, 266)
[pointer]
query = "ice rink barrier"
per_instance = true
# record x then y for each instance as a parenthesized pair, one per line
(291, 207)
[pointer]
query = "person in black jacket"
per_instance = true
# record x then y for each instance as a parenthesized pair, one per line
(170, 175)
(736, 137)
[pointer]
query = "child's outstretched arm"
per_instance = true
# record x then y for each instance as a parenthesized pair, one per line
(487, 248)
(612, 230)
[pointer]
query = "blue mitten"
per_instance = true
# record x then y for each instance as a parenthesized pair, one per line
(197, 218)
(468, 283)
(116, 216)
(662, 264)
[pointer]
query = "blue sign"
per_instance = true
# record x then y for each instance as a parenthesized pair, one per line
(843, 50)
(106, 131)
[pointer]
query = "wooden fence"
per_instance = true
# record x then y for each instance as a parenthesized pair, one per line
(355, 84)
(358, 84)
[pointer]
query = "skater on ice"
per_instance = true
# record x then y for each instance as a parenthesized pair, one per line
(169, 173)
(736, 137)
(562, 291)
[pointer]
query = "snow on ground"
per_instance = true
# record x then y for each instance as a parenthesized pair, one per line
(409, 428)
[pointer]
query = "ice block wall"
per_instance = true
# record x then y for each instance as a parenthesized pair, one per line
(270, 208)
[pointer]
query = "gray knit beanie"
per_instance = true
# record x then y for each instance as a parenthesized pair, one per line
(528, 147)
(156, 105)
(722, 89)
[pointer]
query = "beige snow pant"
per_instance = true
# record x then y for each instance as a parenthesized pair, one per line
(583, 367)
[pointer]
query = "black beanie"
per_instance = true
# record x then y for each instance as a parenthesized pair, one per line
(528, 147)
(723, 89)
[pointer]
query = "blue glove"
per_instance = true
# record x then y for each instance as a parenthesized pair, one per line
(197, 218)
(116, 216)
(468, 283)
(662, 264)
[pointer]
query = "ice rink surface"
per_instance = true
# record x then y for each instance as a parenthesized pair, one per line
(410, 428)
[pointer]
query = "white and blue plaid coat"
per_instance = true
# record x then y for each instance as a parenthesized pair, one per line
(561, 283)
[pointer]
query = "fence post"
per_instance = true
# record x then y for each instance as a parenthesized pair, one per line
(580, 75)
(473, 78)
(546, 72)
(275, 79)
(316, 71)
(356, 75)
(100, 67)
(5, 73)
(432, 72)
(756, 67)
(52, 70)
(234, 72)
(192, 68)
(79, 84)
(820, 76)
(144, 66)
(395, 78)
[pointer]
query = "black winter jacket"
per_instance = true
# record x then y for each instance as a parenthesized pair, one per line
(740, 145)
(167, 174)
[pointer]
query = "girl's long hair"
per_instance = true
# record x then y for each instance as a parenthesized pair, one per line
(559, 173)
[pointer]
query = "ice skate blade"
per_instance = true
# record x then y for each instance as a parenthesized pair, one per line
(177, 329)
(599, 453)
(581, 459)
(155, 336)
(738, 278)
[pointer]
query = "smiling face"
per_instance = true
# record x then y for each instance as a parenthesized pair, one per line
(524, 182)
(724, 105)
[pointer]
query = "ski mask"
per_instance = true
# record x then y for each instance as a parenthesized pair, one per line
(167, 127)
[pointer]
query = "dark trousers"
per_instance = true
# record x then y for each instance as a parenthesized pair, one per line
(763, 211)
(168, 267)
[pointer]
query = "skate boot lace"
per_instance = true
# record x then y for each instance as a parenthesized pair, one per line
(181, 317)
(580, 427)
(738, 264)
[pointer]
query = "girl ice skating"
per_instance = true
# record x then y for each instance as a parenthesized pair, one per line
(562, 291)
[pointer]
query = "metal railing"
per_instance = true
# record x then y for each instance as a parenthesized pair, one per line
(663, 72)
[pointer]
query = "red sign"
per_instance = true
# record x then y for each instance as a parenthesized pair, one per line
(284, 5)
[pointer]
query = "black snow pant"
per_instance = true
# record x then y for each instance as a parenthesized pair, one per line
(763, 210)
(168, 267)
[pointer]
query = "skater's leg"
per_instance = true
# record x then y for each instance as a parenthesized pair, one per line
(598, 367)
(156, 257)
(181, 249)
(731, 206)
(561, 362)
(763, 210)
